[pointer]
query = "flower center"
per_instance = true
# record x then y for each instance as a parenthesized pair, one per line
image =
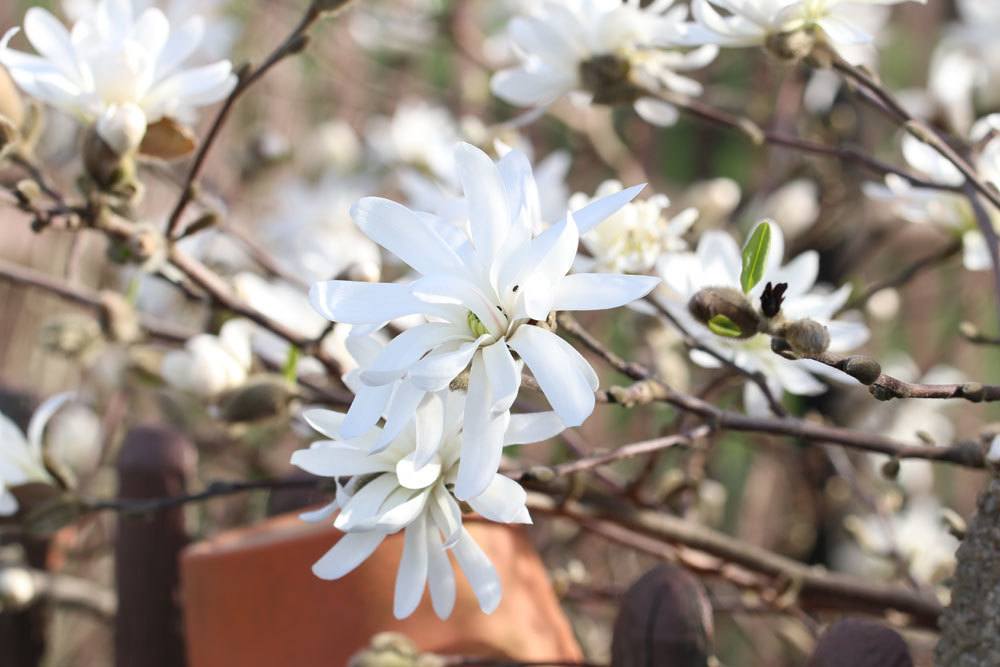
(476, 325)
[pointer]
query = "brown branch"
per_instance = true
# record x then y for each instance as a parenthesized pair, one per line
(818, 588)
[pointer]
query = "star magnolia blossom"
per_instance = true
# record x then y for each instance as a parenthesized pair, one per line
(716, 263)
(946, 209)
(632, 239)
(116, 69)
(484, 302)
(558, 39)
(21, 453)
(211, 365)
(752, 22)
(388, 492)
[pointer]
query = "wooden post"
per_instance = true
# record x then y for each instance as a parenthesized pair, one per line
(154, 462)
(665, 620)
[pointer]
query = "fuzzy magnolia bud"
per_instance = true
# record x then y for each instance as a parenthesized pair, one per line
(711, 302)
(805, 337)
(108, 168)
(262, 397)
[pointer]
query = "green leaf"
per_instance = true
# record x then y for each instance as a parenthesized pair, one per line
(721, 325)
(755, 256)
(290, 369)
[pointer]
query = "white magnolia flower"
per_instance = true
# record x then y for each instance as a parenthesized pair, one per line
(311, 232)
(483, 302)
(119, 70)
(716, 263)
(21, 454)
(631, 240)
(744, 23)
(557, 40)
(950, 210)
(919, 534)
(389, 491)
(211, 365)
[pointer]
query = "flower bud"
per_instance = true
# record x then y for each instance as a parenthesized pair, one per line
(73, 335)
(119, 320)
(805, 337)
(122, 127)
(107, 168)
(863, 369)
(729, 302)
(260, 398)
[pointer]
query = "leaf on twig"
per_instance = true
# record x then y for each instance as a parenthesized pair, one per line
(755, 256)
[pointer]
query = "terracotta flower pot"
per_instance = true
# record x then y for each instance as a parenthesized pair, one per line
(250, 598)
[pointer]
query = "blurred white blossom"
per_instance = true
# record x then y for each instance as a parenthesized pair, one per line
(563, 47)
(210, 365)
(116, 69)
(742, 23)
(21, 453)
(633, 238)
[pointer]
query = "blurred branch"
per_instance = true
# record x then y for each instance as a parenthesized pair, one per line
(815, 586)
(247, 76)
(907, 274)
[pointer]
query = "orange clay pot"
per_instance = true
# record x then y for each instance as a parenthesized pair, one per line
(250, 598)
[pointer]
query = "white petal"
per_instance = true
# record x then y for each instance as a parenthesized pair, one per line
(479, 571)
(40, 419)
(363, 303)
(534, 427)
(430, 424)
(361, 512)
(482, 436)
(440, 576)
(561, 372)
(489, 218)
(656, 112)
(447, 515)
(412, 573)
(416, 477)
(8, 503)
(405, 234)
(399, 413)
(504, 375)
(366, 409)
(327, 422)
(330, 459)
(321, 514)
(598, 291)
(502, 501)
(552, 254)
(435, 371)
(599, 210)
(350, 551)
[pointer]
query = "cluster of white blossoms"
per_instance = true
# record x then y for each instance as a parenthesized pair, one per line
(432, 407)
(590, 48)
(117, 69)
(775, 23)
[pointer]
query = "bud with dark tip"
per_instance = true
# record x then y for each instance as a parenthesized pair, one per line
(729, 302)
(772, 298)
(805, 337)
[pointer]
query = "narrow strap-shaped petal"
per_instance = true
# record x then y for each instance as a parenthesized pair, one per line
(480, 572)
(532, 427)
(363, 303)
(412, 574)
(440, 576)
(405, 234)
(560, 370)
(482, 436)
(600, 291)
(504, 375)
(350, 551)
(502, 501)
